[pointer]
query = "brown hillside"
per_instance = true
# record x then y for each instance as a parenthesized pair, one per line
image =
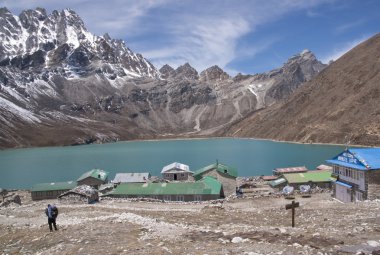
(342, 101)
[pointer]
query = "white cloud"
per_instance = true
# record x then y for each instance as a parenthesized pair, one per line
(207, 38)
(342, 49)
(116, 17)
(348, 26)
(203, 33)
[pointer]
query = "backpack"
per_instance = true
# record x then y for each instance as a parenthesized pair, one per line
(54, 211)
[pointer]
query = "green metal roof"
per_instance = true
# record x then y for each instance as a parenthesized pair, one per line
(206, 186)
(310, 176)
(219, 167)
(95, 173)
(54, 186)
(277, 182)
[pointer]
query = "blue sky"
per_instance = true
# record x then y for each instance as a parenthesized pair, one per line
(247, 36)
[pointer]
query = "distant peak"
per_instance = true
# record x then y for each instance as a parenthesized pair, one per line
(167, 67)
(305, 51)
(214, 73)
(4, 10)
(107, 37)
(187, 65)
(307, 54)
(166, 71)
(69, 12)
(187, 71)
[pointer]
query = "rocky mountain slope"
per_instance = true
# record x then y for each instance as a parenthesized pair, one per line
(60, 85)
(340, 105)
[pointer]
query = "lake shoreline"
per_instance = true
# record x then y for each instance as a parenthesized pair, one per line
(22, 168)
(159, 139)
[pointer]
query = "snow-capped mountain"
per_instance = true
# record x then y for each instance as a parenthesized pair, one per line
(35, 39)
(60, 84)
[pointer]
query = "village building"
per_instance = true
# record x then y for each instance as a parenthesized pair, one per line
(131, 177)
(207, 188)
(316, 178)
(51, 190)
(288, 170)
(324, 167)
(93, 178)
(176, 172)
(358, 174)
(268, 178)
(224, 174)
(80, 194)
(279, 183)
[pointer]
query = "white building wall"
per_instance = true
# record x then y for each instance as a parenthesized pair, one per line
(342, 193)
(350, 175)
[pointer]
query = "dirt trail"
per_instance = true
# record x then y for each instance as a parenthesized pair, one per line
(238, 226)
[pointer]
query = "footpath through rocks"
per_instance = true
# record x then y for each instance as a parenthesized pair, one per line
(236, 226)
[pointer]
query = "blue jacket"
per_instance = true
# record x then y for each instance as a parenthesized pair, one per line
(51, 211)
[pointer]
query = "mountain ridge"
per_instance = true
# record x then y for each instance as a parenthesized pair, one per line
(340, 105)
(68, 86)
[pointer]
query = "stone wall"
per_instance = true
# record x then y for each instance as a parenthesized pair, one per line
(180, 176)
(373, 184)
(229, 184)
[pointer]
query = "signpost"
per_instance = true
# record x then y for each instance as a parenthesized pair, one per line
(292, 206)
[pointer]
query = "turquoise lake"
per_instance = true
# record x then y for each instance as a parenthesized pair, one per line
(21, 168)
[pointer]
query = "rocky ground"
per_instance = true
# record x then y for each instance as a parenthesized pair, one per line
(237, 226)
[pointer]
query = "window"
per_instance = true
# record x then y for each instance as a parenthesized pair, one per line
(180, 198)
(197, 197)
(336, 170)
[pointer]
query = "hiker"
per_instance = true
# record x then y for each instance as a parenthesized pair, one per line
(52, 213)
(239, 192)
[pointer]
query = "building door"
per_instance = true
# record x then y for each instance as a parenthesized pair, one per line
(175, 177)
(343, 192)
(358, 196)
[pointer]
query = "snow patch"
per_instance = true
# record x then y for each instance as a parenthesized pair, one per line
(72, 38)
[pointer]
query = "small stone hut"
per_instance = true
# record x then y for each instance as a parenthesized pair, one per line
(93, 178)
(226, 175)
(80, 194)
(176, 172)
